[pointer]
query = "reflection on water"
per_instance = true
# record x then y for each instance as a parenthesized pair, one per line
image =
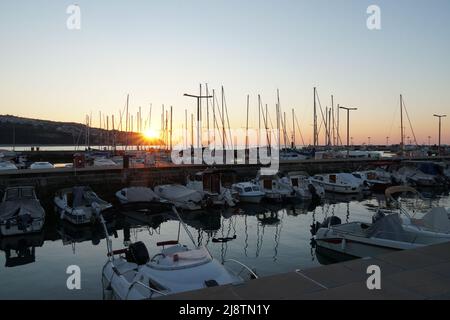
(270, 238)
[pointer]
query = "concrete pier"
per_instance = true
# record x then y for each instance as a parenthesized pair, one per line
(412, 274)
(49, 180)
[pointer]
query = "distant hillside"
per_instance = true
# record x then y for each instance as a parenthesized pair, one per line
(43, 132)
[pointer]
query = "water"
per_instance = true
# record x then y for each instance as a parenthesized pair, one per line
(271, 239)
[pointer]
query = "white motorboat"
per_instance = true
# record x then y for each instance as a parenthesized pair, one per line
(180, 196)
(304, 187)
(6, 165)
(275, 187)
(249, 192)
(130, 273)
(377, 180)
(339, 182)
(79, 205)
(417, 216)
(20, 212)
(389, 231)
(141, 199)
(104, 162)
(41, 165)
(209, 183)
(136, 194)
(386, 235)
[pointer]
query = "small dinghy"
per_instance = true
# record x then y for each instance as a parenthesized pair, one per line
(180, 196)
(132, 274)
(79, 205)
(20, 212)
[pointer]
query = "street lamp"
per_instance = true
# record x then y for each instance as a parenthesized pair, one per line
(348, 127)
(198, 113)
(440, 118)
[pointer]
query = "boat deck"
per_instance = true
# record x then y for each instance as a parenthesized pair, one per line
(422, 273)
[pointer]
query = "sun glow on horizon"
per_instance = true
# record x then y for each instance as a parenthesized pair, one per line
(150, 134)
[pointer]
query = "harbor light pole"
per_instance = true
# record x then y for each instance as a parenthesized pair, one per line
(348, 127)
(198, 114)
(440, 116)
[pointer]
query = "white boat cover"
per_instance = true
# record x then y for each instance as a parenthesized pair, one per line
(179, 193)
(437, 220)
(140, 194)
(10, 209)
(389, 227)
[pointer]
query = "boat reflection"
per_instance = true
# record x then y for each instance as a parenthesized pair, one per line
(21, 250)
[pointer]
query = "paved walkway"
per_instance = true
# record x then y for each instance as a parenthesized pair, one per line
(413, 274)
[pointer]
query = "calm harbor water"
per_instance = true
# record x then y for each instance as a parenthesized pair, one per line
(269, 238)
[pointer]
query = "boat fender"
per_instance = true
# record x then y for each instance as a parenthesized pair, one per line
(343, 244)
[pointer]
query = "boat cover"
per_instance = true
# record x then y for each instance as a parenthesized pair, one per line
(177, 192)
(389, 227)
(11, 209)
(140, 194)
(437, 220)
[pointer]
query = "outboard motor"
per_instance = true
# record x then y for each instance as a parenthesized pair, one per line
(330, 221)
(137, 253)
(377, 216)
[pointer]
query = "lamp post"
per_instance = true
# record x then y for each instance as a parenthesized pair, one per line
(348, 127)
(198, 114)
(440, 118)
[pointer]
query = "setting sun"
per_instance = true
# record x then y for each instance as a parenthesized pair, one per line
(150, 134)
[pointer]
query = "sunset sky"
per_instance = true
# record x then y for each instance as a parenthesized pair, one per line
(158, 50)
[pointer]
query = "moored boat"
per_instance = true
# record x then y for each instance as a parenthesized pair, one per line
(20, 212)
(79, 205)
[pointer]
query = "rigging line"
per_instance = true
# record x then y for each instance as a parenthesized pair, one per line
(215, 120)
(321, 111)
(217, 125)
(228, 120)
(409, 120)
(301, 136)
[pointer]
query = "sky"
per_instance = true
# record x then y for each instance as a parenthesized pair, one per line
(158, 50)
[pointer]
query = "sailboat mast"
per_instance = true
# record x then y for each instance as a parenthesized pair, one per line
(207, 112)
(293, 129)
(246, 125)
(315, 119)
(171, 128)
(402, 145)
